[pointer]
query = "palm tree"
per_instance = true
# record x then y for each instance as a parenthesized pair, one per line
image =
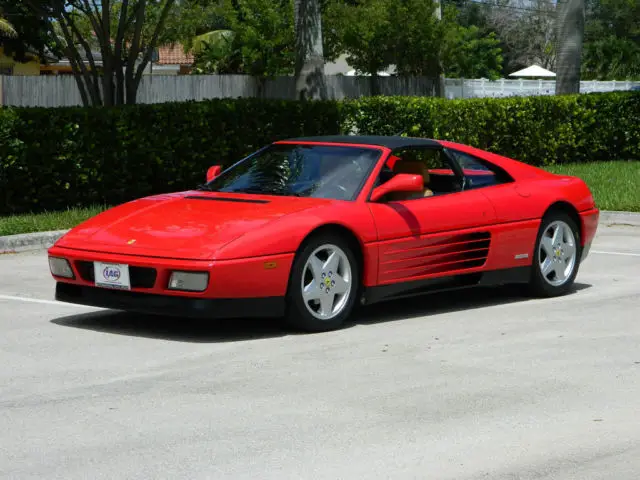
(6, 29)
(570, 25)
(310, 80)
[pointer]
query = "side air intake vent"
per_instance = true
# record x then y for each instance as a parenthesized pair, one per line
(436, 256)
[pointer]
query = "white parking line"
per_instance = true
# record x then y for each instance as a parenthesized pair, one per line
(38, 300)
(624, 254)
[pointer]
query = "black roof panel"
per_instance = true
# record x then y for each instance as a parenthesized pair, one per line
(392, 142)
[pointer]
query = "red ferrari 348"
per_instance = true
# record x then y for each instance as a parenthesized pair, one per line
(308, 228)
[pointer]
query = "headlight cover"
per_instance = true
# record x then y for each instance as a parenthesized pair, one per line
(60, 267)
(189, 281)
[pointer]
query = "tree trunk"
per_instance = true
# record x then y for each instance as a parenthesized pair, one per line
(309, 68)
(570, 27)
(374, 83)
(108, 61)
(438, 70)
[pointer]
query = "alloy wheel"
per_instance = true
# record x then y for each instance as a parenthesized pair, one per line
(326, 282)
(557, 253)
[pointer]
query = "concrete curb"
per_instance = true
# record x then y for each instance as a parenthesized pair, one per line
(620, 218)
(43, 240)
(29, 241)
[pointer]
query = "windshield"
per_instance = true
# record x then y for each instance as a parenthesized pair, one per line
(318, 171)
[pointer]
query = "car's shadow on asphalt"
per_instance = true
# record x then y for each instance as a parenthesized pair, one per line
(447, 302)
(175, 328)
(234, 330)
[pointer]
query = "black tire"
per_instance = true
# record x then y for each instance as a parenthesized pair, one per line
(298, 315)
(538, 285)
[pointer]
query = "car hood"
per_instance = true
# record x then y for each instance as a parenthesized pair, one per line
(190, 225)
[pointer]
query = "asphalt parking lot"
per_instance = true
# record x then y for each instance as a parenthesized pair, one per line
(473, 385)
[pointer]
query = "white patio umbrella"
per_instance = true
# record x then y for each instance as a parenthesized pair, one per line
(533, 71)
(353, 73)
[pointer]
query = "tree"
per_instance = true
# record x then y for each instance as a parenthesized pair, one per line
(24, 33)
(309, 58)
(126, 32)
(191, 19)
(259, 40)
(612, 40)
(365, 31)
(6, 29)
(526, 32)
(468, 53)
(570, 36)
(410, 35)
(419, 42)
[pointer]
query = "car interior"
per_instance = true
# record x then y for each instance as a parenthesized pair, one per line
(442, 174)
(432, 164)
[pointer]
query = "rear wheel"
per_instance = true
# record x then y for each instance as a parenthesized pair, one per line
(556, 258)
(324, 284)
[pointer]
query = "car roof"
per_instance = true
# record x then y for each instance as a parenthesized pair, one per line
(392, 142)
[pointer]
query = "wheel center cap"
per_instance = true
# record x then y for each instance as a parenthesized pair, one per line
(327, 282)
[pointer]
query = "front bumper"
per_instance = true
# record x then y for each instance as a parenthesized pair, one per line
(170, 305)
(245, 278)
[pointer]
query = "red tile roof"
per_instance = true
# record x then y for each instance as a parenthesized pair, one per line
(174, 55)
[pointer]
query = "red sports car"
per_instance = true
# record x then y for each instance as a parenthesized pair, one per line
(308, 228)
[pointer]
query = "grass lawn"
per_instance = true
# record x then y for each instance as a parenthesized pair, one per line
(43, 222)
(615, 186)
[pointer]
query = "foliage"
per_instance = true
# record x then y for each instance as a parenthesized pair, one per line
(420, 38)
(612, 40)
(188, 20)
(541, 130)
(69, 157)
(72, 157)
(364, 30)
(527, 31)
(125, 33)
(7, 30)
(469, 51)
(24, 34)
(407, 34)
(262, 43)
(472, 55)
(216, 52)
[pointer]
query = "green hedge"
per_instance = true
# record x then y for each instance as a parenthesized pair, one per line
(542, 130)
(57, 158)
(65, 157)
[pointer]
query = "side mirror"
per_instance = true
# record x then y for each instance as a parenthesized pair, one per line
(213, 172)
(402, 182)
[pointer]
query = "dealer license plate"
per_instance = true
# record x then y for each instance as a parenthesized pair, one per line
(112, 275)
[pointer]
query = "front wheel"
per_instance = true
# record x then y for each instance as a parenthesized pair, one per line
(323, 287)
(556, 257)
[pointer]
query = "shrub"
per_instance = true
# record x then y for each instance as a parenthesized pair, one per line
(542, 130)
(56, 158)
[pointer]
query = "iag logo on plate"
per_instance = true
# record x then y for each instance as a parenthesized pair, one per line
(111, 274)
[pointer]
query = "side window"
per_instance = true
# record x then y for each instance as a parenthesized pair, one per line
(477, 173)
(435, 167)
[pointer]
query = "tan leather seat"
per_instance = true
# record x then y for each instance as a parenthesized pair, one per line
(416, 168)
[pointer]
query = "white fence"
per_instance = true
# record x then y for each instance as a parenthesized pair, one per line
(55, 91)
(509, 88)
